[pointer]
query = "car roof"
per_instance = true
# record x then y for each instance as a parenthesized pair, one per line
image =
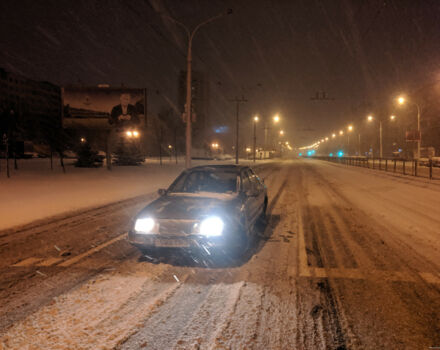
(229, 167)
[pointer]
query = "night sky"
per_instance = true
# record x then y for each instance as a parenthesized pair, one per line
(277, 54)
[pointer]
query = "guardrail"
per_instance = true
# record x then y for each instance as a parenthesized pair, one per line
(411, 167)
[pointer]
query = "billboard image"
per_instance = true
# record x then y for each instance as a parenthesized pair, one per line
(103, 107)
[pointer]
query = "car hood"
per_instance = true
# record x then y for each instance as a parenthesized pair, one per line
(189, 206)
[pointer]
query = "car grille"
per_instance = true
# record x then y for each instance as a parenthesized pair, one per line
(176, 227)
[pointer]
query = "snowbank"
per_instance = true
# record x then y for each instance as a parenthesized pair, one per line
(35, 191)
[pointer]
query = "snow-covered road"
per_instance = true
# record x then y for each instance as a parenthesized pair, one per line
(349, 259)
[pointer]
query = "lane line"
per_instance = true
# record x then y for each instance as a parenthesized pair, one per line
(49, 261)
(303, 265)
(375, 275)
(27, 262)
(91, 251)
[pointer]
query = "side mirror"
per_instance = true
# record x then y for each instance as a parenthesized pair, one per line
(162, 191)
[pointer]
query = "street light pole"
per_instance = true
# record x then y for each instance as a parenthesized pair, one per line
(380, 139)
(401, 100)
(255, 136)
(418, 131)
(190, 35)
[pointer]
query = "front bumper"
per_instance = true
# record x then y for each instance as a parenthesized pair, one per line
(185, 242)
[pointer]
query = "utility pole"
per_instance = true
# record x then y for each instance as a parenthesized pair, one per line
(237, 123)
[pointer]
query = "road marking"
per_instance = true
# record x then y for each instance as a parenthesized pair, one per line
(49, 261)
(303, 265)
(27, 262)
(377, 275)
(91, 251)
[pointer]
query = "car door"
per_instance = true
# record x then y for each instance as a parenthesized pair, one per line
(259, 186)
(248, 201)
(249, 187)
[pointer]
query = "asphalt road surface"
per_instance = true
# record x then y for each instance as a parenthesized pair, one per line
(349, 259)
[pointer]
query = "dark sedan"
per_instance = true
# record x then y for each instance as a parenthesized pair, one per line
(206, 207)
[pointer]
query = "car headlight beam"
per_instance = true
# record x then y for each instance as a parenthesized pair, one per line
(144, 225)
(211, 227)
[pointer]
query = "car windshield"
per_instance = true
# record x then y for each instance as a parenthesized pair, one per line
(216, 181)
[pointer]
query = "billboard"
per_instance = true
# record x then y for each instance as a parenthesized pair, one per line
(103, 107)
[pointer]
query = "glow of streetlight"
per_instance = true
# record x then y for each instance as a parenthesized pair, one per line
(341, 133)
(256, 118)
(281, 132)
(136, 133)
(333, 135)
(248, 150)
(83, 139)
(370, 118)
(392, 117)
(276, 118)
(401, 100)
(350, 128)
(169, 146)
(326, 138)
(129, 133)
(322, 140)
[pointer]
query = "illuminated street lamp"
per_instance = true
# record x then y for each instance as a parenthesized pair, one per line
(350, 128)
(136, 133)
(83, 139)
(255, 136)
(392, 117)
(275, 119)
(281, 132)
(341, 132)
(333, 136)
(401, 101)
(326, 138)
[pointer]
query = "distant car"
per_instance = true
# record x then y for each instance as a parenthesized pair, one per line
(210, 208)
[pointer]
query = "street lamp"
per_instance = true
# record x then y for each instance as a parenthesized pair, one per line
(190, 35)
(275, 119)
(349, 130)
(333, 136)
(341, 132)
(401, 101)
(370, 118)
(281, 132)
(255, 136)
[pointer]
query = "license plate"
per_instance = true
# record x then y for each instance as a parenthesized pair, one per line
(171, 243)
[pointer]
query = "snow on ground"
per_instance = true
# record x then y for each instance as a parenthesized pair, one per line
(34, 191)
(408, 206)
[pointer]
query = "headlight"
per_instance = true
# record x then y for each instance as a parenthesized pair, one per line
(212, 227)
(144, 225)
